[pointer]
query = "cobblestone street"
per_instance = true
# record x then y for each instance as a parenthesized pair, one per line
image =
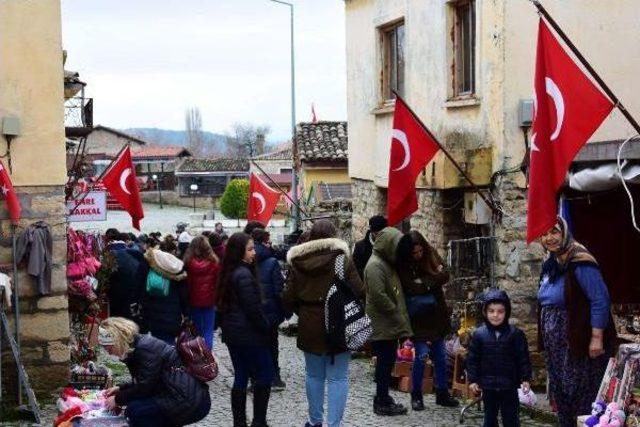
(289, 408)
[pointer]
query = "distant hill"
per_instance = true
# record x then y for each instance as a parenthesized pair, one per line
(215, 142)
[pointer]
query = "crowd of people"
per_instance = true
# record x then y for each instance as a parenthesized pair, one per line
(237, 283)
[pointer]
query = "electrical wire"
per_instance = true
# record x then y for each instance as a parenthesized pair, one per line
(624, 183)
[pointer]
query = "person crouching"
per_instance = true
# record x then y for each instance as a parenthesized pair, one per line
(162, 393)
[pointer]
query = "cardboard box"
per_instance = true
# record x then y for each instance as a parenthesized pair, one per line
(405, 385)
(402, 369)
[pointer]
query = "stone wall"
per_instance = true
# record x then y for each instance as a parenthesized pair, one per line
(440, 219)
(44, 320)
(172, 198)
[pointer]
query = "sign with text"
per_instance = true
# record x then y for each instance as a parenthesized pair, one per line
(92, 207)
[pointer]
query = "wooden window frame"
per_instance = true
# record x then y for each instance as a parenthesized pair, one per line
(387, 72)
(464, 54)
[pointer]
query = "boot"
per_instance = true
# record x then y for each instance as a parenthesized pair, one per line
(417, 404)
(443, 398)
(239, 407)
(260, 405)
(388, 407)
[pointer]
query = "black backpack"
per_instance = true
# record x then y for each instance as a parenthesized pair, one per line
(347, 327)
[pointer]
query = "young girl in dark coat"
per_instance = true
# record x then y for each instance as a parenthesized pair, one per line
(161, 393)
(245, 330)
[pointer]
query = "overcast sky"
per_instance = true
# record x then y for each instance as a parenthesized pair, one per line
(146, 61)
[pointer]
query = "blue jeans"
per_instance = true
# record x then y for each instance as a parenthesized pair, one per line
(321, 370)
(145, 413)
(438, 356)
(204, 320)
(251, 361)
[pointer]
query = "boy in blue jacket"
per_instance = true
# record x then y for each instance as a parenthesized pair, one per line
(498, 361)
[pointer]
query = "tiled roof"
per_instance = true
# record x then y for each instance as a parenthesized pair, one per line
(328, 192)
(159, 151)
(322, 141)
(284, 154)
(191, 164)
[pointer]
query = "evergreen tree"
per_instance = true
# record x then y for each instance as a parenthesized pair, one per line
(233, 203)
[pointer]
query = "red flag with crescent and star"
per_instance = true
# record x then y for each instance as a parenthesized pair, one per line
(262, 200)
(9, 195)
(569, 108)
(120, 181)
(412, 147)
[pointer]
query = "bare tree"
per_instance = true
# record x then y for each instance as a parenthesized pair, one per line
(246, 140)
(195, 136)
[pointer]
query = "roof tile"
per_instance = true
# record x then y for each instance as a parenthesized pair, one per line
(322, 141)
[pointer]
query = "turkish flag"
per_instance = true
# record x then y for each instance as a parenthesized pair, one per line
(120, 181)
(262, 200)
(412, 147)
(9, 195)
(568, 110)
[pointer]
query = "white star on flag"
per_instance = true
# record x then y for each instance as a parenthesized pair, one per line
(5, 190)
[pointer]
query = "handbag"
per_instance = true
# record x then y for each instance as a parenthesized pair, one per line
(419, 304)
(157, 285)
(196, 356)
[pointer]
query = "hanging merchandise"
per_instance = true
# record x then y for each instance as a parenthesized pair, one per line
(35, 245)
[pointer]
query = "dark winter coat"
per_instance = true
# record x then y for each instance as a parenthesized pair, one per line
(271, 284)
(202, 278)
(385, 300)
(431, 325)
(362, 251)
(163, 315)
(153, 366)
(498, 362)
(244, 321)
(311, 274)
(127, 283)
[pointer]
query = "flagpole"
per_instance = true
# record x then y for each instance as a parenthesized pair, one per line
(446, 153)
(279, 187)
(616, 101)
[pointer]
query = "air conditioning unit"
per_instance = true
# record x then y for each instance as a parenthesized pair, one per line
(476, 211)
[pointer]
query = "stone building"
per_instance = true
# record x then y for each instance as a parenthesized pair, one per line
(32, 96)
(104, 143)
(464, 66)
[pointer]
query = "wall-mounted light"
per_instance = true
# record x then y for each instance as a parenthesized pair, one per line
(10, 130)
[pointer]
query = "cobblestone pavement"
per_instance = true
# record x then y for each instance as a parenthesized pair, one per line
(289, 408)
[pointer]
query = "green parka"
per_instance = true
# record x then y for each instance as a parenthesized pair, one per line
(385, 300)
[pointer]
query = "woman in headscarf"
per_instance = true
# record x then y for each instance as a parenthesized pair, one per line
(576, 328)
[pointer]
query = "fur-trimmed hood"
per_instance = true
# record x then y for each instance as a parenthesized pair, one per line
(317, 255)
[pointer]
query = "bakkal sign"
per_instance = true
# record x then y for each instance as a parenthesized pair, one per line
(92, 207)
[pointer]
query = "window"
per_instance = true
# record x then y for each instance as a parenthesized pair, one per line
(393, 57)
(286, 170)
(464, 52)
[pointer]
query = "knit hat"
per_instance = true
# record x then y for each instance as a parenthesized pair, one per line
(377, 223)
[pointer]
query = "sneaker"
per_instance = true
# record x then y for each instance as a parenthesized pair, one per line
(308, 424)
(278, 385)
(388, 408)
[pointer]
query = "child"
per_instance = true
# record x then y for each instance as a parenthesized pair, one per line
(498, 361)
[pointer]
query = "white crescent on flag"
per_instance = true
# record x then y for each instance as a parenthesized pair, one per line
(123, 180)
(401, 137)
(260, 197)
